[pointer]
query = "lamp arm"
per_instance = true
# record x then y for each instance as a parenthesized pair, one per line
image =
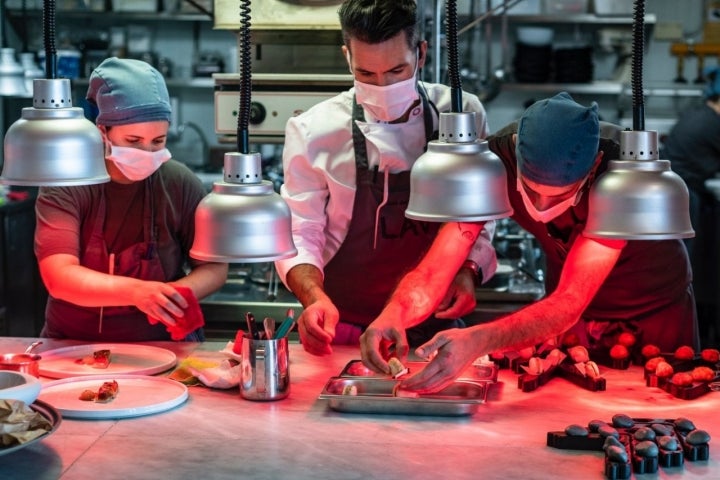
(453, 58)
(637, 70)
(243, 141)
(49, 39)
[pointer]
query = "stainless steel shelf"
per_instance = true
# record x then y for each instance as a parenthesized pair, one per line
(113, 16)
(579, 18)
(594, 88)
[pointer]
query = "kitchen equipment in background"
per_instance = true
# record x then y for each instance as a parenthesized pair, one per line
(612, 7)
(573, 64)
(276, 98)
(12, 75)
(281, 15)
(556, 7)
(68, 63)
(532, 63)
(31, 69)
(207, 64)
(535, 36)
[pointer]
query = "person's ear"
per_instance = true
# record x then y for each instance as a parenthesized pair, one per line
(346, 54)
(422, 53)
(594, 169)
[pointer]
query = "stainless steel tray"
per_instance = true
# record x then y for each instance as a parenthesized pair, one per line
(481, 372)
(375, 395)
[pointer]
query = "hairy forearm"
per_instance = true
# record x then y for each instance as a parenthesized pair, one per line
(530, 325)
(306, 282)
(422, 289)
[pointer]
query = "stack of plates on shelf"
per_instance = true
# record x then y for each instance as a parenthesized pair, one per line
(573, 65)
(532, 63)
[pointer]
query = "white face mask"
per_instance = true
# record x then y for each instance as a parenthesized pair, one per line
(388, 102)
(548, 214)
(137, 164)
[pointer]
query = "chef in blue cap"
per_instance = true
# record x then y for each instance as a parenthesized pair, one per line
(597, 289)
(114, 256)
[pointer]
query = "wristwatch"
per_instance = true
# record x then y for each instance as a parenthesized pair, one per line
(475, 268)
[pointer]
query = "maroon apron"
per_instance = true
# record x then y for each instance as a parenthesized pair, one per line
(361, 275)
(141, 260)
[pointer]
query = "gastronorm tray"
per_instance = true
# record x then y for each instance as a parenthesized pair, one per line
(375, 395)
(477, 372)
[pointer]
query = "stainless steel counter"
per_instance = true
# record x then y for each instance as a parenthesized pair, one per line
(217, 435)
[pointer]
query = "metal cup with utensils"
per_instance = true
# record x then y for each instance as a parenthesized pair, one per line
(265, 369)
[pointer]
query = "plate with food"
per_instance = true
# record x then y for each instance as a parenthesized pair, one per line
(106, 359)
(49, 416)
(113, 396)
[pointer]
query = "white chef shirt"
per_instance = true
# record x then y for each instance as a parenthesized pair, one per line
(319, 170)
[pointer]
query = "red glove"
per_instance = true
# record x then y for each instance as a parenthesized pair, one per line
(188, 323)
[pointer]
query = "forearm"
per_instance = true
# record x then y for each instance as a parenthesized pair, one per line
(306, 282)
(528, 326)
(422, 289)
(86, 287)
(205, 279)
(586, 268)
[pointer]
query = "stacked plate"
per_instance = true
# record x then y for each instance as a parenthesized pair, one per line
(532, 63)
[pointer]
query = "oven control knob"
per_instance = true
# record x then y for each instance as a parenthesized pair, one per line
(257, 113)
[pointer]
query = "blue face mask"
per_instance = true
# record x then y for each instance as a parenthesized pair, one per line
(137, 164)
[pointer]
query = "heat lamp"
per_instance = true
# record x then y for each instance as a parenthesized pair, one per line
(53, 144)
(458, 178)
(243, 219)
(639, 197)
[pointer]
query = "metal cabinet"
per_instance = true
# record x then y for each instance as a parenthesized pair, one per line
(22, 293)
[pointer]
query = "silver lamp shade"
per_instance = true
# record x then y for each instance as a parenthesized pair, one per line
(243, 219)
(458, 178)
(639, 197)
(53, 144)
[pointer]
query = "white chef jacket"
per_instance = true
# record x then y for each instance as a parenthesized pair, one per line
(319, 171)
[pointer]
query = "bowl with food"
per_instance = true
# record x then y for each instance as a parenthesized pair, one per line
(19, 386)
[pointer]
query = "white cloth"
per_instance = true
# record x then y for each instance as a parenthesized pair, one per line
(319, 166)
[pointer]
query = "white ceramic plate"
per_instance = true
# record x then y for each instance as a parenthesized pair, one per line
(125, 359)
(52, 416)
(138, 395)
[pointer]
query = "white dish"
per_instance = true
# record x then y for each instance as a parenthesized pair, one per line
(19, 386)
(138, 395)
(52, 416)
(125, 359)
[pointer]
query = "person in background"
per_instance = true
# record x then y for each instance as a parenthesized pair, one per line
(347, 164)
(597, 288)
(693, 148)
(113, 255)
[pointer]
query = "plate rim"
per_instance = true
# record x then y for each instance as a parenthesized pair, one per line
(50, 373)
(124, 412)
(50, 413)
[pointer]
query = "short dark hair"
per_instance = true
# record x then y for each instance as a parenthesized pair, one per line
(374, 21)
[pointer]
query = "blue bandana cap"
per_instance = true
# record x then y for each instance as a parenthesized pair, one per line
(712, 75)
(128, 91)
(557, 141)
